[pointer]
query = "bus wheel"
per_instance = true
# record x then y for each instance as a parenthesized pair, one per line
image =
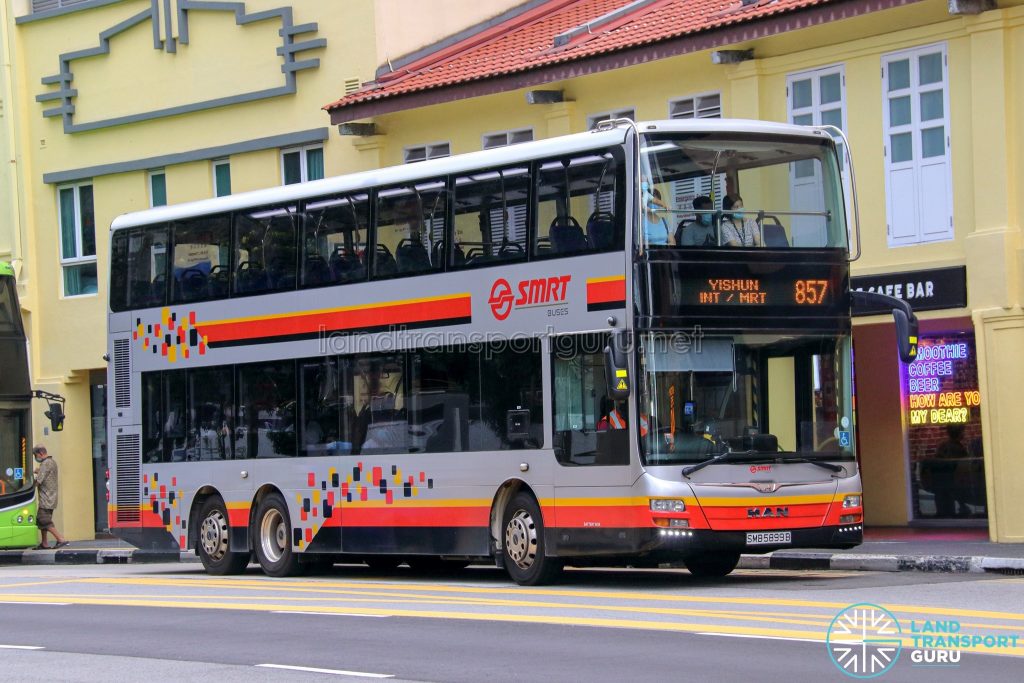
(524, 543)
(213, 543)
(273, 542)
(713, 565)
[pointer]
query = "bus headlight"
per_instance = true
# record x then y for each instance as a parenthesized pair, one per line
(20, 519)
(851, 502)
(667, 505)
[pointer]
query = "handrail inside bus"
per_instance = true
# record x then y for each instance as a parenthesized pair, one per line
(853, 187)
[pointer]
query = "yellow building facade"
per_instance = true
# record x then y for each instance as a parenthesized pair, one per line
(126, 103)
(111, 106)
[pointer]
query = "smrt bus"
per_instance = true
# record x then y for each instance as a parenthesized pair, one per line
(17, 486)
(551, 354)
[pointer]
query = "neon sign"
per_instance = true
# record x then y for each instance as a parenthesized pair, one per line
(929, 404)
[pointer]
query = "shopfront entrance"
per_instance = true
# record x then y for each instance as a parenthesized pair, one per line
(919, 424)
(942, 415)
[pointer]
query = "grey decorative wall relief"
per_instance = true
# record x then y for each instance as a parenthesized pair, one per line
(164, 16)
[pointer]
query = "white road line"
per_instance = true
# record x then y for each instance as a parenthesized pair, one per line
(22, 647)
(336, 672)
(23, 602)
(331, 614)
(747, 635)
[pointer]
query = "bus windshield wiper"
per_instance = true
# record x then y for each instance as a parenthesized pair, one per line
(797, 458)
(687, 471)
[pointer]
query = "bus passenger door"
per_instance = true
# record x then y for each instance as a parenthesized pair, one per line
(592, 448)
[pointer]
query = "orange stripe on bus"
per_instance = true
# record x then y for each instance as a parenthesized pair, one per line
(351, 318)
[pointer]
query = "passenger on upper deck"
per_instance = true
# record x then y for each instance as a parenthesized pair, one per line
(699, 232)
(655, 227)
(737, 232)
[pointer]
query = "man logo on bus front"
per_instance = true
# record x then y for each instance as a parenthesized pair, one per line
(501, 298)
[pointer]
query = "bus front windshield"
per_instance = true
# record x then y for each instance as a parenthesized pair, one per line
(709, 190)
(756, 397)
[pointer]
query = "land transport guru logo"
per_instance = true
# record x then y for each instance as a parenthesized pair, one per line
(864, 640)
(529, 293)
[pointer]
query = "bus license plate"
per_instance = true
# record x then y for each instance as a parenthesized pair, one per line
(769, 537)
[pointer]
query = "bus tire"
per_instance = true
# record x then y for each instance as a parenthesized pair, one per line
(214, 539)
(523, 543)
(713, 565)
(273, 538)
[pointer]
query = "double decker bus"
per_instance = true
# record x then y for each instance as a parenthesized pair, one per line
(548, 354)
(17, 487)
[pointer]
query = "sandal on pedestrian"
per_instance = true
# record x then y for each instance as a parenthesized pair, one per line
(61, 544)
(41, 547)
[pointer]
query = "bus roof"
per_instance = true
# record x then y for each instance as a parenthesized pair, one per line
(501, 156)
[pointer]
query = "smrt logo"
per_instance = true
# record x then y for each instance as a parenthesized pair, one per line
(543, 291)
(754, 469)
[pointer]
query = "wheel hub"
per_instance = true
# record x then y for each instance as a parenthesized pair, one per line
(273, 535)
(213, 534)
(521, 539)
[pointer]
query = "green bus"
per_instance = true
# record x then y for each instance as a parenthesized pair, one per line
(17, 489)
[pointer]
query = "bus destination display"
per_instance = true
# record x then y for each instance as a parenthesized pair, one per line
(718, 291)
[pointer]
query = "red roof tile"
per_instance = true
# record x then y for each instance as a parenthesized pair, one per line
(526, 42)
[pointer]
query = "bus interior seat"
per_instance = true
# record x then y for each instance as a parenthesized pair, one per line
(383, 261)
(192, 284)
(316, 271)
(346, 266)
(510, 250)
(411, 256)
(250, 277)
(774, 233)
(218, 282)
(567, 236)
(601, 229)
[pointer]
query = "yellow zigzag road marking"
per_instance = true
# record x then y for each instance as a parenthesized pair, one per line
(279, 585)
(525, 618)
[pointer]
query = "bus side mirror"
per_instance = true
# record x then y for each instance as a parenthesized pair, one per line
(56, 417)
(902, 313)
(616, 365)
(55, 403)
(906, 335)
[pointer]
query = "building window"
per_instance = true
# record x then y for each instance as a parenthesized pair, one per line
(77, 239)
(509, 137)
(815, 98)
(705, 106)
(48, 5)
(424, 152)
(302, 165)
(918, 182)
(157, 188)
(221, 178)
(595, 119)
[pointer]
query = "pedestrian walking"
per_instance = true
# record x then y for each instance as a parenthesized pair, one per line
(46, 482)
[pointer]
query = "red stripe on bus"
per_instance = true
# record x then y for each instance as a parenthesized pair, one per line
(606, 291)
(335, 321)
(418, 516)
